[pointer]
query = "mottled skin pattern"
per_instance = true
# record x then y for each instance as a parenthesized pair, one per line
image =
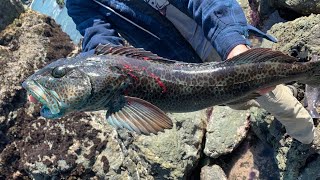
(101, 81)
(184, 87)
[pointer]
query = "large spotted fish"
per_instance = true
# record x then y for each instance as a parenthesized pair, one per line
(137, 87)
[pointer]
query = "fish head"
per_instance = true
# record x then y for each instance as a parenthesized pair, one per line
(61, 87)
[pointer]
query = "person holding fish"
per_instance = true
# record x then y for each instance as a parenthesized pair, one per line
(192, 31)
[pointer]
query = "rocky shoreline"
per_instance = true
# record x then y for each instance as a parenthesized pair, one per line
(216, 143)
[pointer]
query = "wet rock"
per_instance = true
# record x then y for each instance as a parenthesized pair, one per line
(253, 159)
(9, 11)
(28, 44)
(256, 11)
(304, 7)
(213, 172)
(291, 156)
(226, 129)
(84, 146)
(251, 11)
(25, 46)
(312, 170)
(169, 155)
(299, 38)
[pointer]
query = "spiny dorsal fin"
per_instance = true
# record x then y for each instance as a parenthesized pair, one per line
(129, 51)
(257, 55)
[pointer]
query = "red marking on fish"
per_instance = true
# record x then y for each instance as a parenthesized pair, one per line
(133, 76)
(146, 58)
(130, 70)
(159, 82)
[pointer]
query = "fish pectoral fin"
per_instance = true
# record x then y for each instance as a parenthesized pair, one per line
(140, 116)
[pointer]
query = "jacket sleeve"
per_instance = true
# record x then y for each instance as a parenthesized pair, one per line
(222, 21)
(92, 25)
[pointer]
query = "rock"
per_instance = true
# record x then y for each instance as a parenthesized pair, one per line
(213, 172)
(253, 159)
(291, 156)
(84, 146)
(256, 11)
(251, 11)
(312, 170)
(26, 45)
(270, 20)
(174, 153)
(304, 7)
(9, 11)
(300, 38)
(226, 129)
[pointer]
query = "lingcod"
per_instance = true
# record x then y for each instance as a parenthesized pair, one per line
(137, 87)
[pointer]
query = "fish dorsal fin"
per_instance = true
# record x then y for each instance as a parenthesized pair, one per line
(129, 51)
(139, 116)
(257, 55)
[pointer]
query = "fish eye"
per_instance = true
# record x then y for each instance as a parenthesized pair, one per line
(58, 72)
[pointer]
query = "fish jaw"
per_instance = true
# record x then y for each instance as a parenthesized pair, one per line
(51, 107)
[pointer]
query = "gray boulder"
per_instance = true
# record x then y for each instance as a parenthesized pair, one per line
(298, 38)
(292, 157)
(226, 129)
(9, 11)
(213, 172)
(304, 7)
(312, 170)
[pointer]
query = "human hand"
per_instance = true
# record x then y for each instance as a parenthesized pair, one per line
(240, 49)
(237, 50)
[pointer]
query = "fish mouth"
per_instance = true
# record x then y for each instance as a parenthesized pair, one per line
(51, 108)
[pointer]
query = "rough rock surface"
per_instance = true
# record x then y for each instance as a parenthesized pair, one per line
(252, 11)
(312, 170)
(253, 159)
(9, 11)
(292, 157)
(82, 145)
(213, 172)
(26, 45)
(226, 129)
(304, 7)
(298, 38)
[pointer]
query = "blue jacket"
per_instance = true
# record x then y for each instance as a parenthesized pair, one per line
(222, 24)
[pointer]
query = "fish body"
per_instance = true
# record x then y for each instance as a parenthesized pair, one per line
(136, 86)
